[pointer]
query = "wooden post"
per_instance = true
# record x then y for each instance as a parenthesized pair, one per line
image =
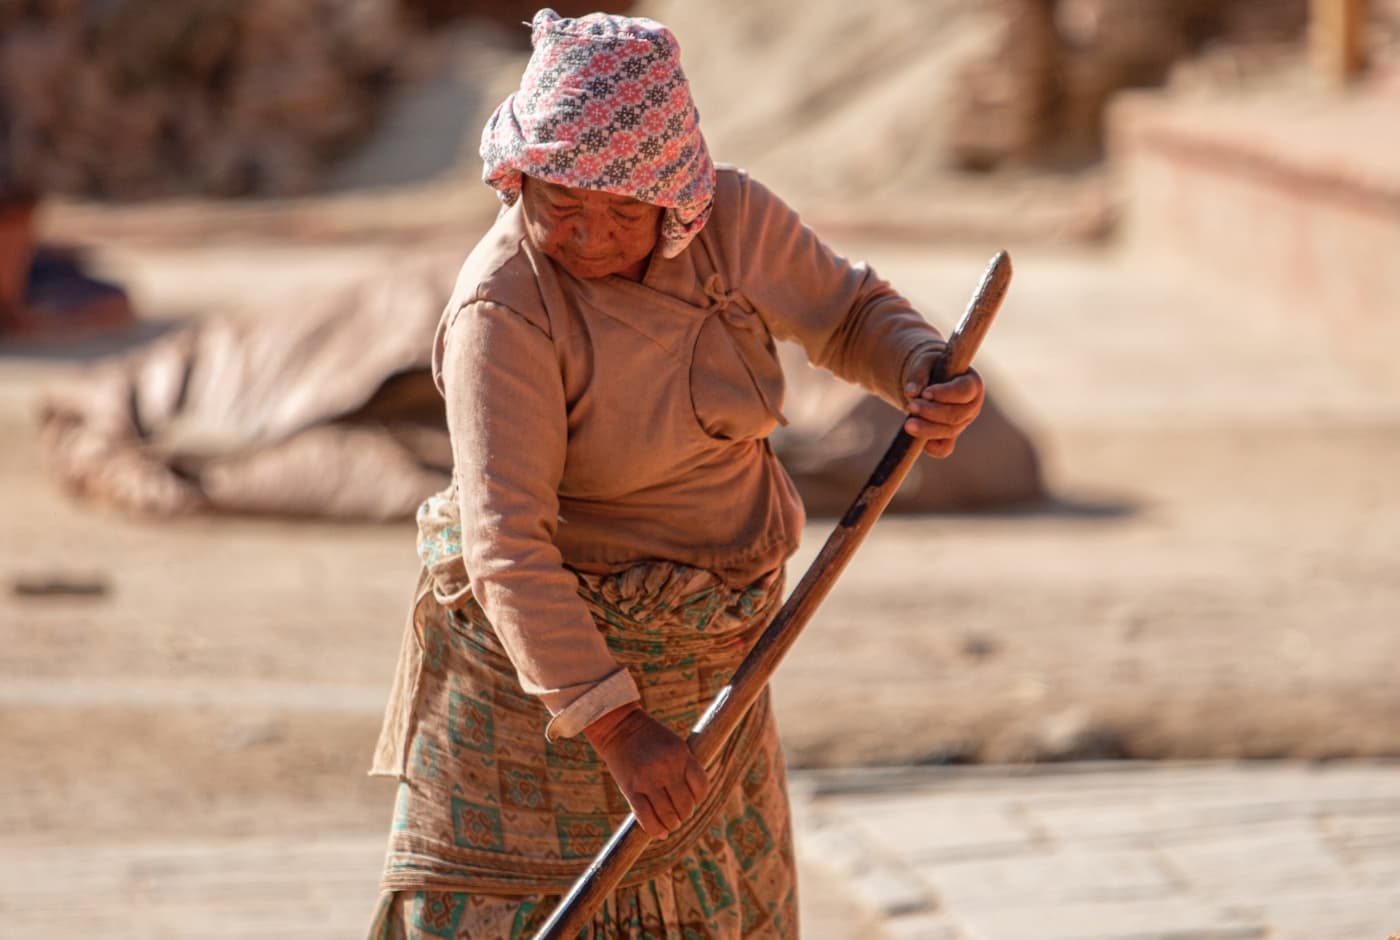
(1338, 39)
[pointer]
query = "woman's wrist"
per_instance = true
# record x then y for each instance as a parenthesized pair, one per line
(601, 731)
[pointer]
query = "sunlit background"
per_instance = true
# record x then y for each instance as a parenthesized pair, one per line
(1170, 546)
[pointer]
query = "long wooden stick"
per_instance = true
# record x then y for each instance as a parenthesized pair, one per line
(707, 738)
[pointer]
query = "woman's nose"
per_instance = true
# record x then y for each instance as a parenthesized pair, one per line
(581, 232)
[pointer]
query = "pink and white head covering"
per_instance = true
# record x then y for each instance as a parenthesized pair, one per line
(604, 105)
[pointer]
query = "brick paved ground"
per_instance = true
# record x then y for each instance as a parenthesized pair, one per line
(1285, 851)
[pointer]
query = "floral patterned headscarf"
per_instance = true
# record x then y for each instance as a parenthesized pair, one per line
(604, 105)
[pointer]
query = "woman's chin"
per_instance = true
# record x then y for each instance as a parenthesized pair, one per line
(588, 270)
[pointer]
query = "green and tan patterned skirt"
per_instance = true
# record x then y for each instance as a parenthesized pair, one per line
(493, 822)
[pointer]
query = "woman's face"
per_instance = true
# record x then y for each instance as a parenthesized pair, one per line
(590, 233)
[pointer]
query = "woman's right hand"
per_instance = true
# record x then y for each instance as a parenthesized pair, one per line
(654, 769)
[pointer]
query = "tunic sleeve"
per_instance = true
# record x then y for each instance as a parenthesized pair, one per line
(848, 319)
(506, 415)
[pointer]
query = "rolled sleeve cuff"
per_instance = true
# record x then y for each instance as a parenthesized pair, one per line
(613, 692)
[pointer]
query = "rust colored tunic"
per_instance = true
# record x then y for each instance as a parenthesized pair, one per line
(601, 423)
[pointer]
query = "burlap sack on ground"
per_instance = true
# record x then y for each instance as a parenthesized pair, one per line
(328, 410)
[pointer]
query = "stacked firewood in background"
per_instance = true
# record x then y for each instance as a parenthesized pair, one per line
(505, 12)
(148, 97)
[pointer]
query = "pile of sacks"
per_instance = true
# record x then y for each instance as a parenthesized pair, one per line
(230, 97)
(328, 410)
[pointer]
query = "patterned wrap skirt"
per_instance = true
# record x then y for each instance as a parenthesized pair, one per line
(493, 822)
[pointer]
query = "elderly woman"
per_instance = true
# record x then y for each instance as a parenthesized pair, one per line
(615, 536)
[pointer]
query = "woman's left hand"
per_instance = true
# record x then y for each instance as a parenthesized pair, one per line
(938, 414)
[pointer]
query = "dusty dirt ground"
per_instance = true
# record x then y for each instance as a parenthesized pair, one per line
(1215, 577)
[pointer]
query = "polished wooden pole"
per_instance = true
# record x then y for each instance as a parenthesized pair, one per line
(707, 738)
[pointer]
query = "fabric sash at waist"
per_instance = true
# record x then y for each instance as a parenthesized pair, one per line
(486, 803)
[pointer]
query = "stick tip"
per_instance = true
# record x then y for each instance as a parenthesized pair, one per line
(998, 276)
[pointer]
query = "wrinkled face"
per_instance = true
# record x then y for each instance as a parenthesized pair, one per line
(590, 233)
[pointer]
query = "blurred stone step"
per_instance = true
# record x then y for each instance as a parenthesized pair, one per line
(301, 888)
(1292, 202)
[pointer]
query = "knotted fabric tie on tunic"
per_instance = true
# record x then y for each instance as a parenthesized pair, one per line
(727, 305)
